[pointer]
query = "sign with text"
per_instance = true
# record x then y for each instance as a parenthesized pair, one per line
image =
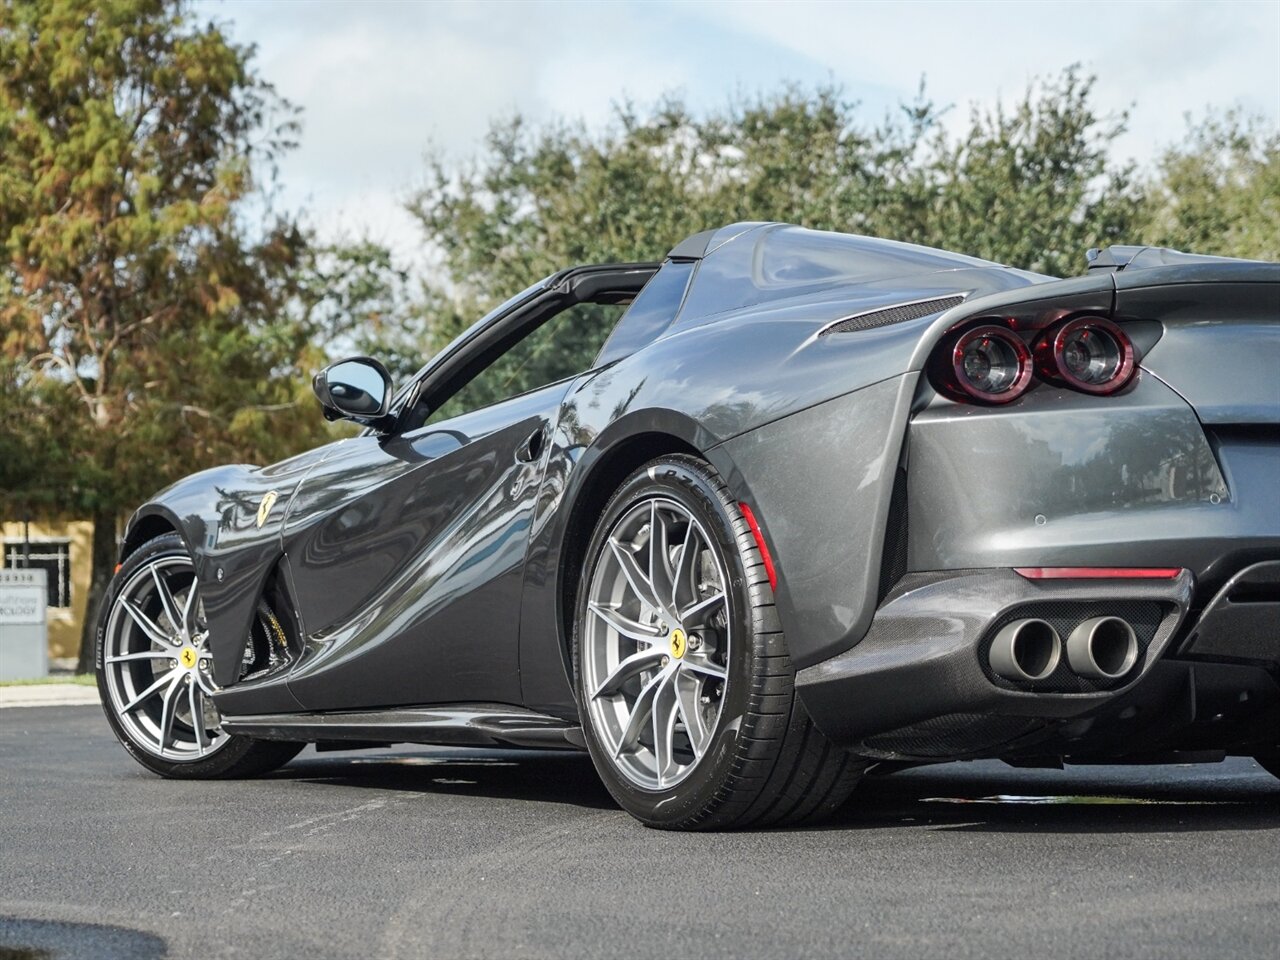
(24, 645)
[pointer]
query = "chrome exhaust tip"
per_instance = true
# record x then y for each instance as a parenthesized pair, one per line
(1025, 650)
(1102, 648)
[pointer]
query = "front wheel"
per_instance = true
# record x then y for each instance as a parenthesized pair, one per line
(687, 693)
(154, 673)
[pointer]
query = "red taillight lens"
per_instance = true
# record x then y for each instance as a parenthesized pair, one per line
(1098, 573)
(1088, 353)
(991, 364)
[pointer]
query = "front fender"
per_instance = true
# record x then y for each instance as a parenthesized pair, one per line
(231, 519)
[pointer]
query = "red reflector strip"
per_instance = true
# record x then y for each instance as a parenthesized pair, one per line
(117, 569)
(1098, 573)
(764, 547)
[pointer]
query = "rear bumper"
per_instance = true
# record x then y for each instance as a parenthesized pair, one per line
(919, 685)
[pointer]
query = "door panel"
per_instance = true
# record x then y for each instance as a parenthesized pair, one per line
(407, 556)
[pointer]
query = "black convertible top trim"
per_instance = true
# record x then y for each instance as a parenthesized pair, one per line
(693, 248)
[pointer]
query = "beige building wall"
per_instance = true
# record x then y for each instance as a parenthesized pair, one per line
(64, 622)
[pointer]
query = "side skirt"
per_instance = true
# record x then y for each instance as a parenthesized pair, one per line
(464, 724)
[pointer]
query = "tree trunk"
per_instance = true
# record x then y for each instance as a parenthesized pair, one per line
(104, 563)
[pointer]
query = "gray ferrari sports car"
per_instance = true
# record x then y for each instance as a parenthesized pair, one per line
(744, 524)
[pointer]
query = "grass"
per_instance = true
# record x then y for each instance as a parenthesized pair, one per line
(80, 679)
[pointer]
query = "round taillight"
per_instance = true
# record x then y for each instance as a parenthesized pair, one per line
(1088, 353)
(991, 364)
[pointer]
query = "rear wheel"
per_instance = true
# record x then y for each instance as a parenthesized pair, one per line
(687, 692)
(155, 677)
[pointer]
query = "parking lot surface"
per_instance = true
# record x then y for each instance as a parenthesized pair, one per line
(446, 853)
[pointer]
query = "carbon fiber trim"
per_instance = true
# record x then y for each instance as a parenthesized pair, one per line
(953, 735)
(893, 564)
(925, 655)
(1064, 616)
(890, 315)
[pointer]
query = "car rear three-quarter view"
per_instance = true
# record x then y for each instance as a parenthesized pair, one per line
(744, 524)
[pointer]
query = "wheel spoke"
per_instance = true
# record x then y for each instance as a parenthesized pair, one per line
(206, 684)
(628, 668)
(188, 608)
(660, 572)
(640, 712)
(683, 575)
(625, 626)
(664, 726)
(166, 600)
(196, 703)
(168, 709)
(692, 614)
(638, 582)
(144, 655)
(145, 623)
(705, 667)
(167, 677)
(688, 701)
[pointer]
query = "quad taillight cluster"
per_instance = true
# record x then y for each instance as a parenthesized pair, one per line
(990, 363)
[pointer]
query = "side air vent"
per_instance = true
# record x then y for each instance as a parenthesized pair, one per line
(889, 315)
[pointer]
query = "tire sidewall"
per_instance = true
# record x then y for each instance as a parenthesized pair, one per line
(690, 483)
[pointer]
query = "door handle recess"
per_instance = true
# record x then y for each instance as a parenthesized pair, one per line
(531, 449)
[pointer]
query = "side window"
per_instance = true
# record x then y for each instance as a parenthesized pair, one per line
(563, 347)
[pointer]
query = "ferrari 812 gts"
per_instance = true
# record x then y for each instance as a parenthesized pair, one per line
(745, 523)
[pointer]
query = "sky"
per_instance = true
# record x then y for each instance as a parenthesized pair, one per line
(382, 81)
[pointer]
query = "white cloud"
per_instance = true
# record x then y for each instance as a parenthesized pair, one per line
(1163, 58)
(381, 82)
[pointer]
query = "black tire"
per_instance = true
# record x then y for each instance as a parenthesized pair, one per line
(239, 756)
(768, 764)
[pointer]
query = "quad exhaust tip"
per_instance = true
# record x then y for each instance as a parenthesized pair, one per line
(1102, 648)
(1026, 650)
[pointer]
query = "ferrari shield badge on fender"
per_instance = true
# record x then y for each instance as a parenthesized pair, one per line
(264, 508)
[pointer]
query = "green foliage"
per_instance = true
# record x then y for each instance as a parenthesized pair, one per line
(561, 348)
(143, 329)
(359, 301)
(1219, 191)
(140, 308)
(1033, 186)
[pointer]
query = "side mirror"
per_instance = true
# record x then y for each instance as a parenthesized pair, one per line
(356, 389)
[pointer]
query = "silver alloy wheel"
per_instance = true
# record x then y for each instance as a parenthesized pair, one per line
(157, 664)
(655, 647)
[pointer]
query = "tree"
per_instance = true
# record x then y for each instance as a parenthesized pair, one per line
(1032, 186)
(358, 300)
(1219, 190)
(142, 326)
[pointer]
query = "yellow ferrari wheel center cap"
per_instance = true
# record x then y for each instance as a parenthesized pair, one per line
(678, 643)
(188, 657)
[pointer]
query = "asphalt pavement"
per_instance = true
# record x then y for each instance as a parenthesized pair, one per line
(424, 852)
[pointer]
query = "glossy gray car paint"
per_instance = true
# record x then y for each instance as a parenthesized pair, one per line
(408, 597)
(426, 534)
(1126, 480)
